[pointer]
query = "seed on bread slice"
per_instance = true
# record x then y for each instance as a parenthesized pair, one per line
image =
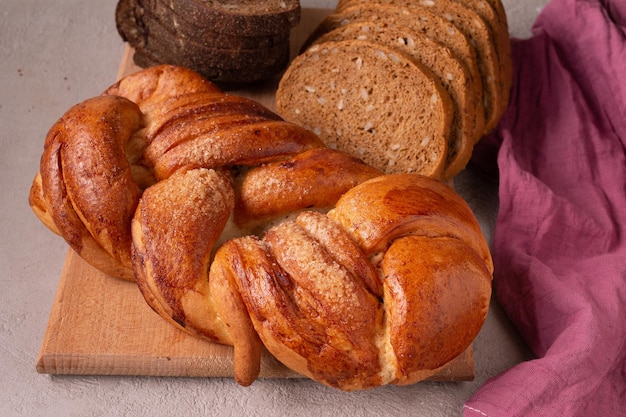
(371, 101)
(453, 75)
(423, 21)
(480, 35)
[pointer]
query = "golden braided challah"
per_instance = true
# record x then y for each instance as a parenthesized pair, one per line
(243, 229)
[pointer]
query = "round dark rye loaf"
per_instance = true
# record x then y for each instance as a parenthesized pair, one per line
(475, 28)
(227, 67)
(453, 75)
(227, 79)
(353, 94)
(238, 17)
(168, 44)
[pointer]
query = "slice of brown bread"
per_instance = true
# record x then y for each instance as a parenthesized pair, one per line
(423, 21)
(237, 17)
(479, 33)
(158, 17)
(226, 79)
(492, 11)
(133, 22)
(453, 75)
(229, 68)
(353, 94)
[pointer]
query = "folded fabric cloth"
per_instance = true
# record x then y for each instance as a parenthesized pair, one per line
(559, 243)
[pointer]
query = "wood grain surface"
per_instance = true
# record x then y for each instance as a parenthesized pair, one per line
(101, 325)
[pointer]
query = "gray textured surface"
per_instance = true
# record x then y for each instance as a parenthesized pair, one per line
(56, 53)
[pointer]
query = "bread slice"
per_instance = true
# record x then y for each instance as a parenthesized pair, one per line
(453, 75)
(228, 67)
(236, 17)
(226, 79)
(494, 15)
(353, 94)
(159, 17)
(421, 20)
(475, 28)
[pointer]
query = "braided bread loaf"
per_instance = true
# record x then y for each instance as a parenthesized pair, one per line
(243, 229)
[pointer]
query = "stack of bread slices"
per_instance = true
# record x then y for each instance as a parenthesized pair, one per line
(229, 42)
(408, 86)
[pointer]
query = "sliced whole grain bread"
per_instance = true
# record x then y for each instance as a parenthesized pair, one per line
(479, 33)
(421, 20)
(353, 94)
(494, 15)
(156, 43)
(453, 75)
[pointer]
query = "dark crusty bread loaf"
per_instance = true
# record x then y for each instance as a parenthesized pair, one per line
(453, 75)
(160, 32)
(224, 77)
(160, 40)
(353, 94)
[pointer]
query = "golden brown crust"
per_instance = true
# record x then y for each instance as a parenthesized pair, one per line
(175, 228)
(435, 284)
(150, 190)
(314, 179)
(83, 158)
(376, 292)
(401, 205)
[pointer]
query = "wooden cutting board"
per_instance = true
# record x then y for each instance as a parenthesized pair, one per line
(101, 325)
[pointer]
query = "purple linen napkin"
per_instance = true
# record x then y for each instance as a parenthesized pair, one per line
(560, 237)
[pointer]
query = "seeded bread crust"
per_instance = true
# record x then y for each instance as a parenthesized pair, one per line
(479, 33)
(353, 95)
(238, 17)
(452, 74)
